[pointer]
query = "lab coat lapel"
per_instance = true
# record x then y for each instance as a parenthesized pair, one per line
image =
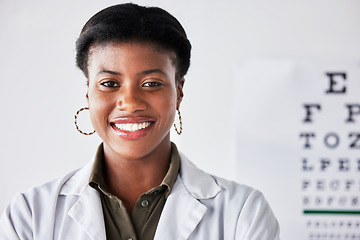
(181, 214)
(183, 210)
(87, 212)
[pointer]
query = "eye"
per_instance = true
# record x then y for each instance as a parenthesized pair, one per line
(110, 84)
(152, 84)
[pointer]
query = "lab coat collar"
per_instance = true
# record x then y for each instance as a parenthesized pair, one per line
(79, 182)
(198, 183)
(181, 214)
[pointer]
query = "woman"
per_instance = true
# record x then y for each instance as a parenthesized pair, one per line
(138, 186)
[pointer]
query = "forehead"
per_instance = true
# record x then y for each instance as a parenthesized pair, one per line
(129, 56)
(112, 46)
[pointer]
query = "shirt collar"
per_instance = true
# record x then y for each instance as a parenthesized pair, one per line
(97, 180)
(173, 171)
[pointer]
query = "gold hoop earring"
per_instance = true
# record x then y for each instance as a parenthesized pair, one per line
(178, 132)
(76, 116)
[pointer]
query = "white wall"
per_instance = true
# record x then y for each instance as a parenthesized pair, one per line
(41, 89)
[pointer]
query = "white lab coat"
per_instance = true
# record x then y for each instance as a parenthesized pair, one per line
(200, 207)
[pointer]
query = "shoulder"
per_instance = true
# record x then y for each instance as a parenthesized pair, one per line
(231, 202)
(203, 185)
(40, 202)
(47, 192)
(73, 182)
(28, 211)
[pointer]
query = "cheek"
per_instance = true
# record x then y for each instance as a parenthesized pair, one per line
(167, 106)
(100, 108)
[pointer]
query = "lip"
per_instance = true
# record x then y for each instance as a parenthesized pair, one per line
(132, 128)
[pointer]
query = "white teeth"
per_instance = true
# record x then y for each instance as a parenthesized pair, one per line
(132, 127)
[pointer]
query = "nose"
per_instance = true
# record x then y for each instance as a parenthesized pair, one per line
(130, 100)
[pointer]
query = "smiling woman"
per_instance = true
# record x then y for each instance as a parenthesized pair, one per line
(133, 85)
(138, 186)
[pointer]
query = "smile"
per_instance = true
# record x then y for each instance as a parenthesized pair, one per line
(132, 127)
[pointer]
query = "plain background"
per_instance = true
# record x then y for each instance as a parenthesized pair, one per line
(41, 89)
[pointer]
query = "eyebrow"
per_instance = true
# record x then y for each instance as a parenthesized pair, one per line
(109, 72)
(146, 72)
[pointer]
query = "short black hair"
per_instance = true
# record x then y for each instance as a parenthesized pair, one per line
(133, 23)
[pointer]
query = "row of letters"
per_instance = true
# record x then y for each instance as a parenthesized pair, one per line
(331, 140)
(331, 224)
(333, 185)
(352, 109)
(331, 201)
(324, 164)
(334, 236)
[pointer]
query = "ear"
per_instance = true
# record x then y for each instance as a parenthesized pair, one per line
(179, 92)
(87, 91)
(87, 96)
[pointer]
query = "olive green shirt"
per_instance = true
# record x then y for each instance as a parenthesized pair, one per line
(142, 223)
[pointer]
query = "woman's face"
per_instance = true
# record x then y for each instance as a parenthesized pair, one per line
(132, 97)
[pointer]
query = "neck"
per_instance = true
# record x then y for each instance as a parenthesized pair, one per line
(129, 178)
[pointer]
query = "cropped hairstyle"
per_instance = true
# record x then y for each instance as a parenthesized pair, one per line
(133, 23)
